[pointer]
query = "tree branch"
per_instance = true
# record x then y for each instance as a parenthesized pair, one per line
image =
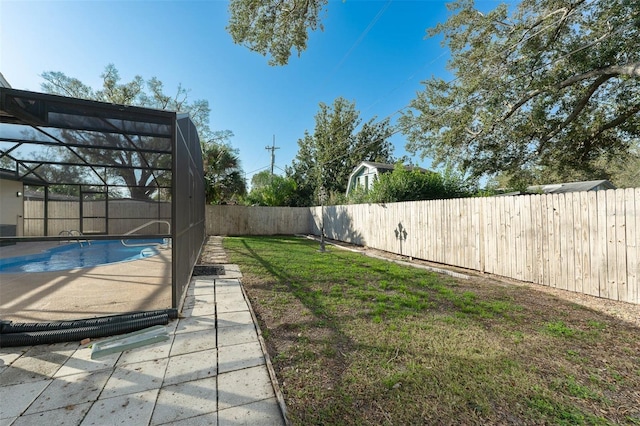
(525, 37)
(579, 106)
(632, 69)
(616, 121)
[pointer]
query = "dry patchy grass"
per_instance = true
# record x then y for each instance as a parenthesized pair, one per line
(356, 340)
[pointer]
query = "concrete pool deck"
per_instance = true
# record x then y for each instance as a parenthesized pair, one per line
(213, 370)
(140, 285)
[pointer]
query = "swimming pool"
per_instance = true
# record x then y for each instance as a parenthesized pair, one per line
(74, 255)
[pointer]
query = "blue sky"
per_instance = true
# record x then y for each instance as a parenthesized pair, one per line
(373, 53)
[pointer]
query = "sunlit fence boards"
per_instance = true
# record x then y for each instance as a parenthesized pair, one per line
(585, 242)
(245, 220)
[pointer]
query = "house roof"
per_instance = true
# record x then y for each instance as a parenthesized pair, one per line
(13, 175)
(379, 166)
(39, 195)
(384, 166)
(559, 188)
(3, 81)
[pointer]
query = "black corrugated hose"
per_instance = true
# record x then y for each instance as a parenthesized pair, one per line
(44, 333)
(21, 327)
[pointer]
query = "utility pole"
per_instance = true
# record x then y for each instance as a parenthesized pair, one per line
(272, 148)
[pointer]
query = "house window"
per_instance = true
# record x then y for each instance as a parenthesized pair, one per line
(366, 183)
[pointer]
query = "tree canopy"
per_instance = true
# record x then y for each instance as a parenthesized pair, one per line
(339, 142)
(222, 172)
(274, 27)
(550, 86)
(271, 190)
(141, 183)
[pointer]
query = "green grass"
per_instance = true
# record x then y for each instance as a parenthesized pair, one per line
(559, 329)
(357, 340)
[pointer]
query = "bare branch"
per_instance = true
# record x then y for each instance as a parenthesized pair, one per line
(472, 133)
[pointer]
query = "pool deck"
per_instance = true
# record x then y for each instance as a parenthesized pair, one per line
(213, 370)
(139, 285)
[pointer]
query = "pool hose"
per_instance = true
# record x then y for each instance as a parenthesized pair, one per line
(45, 333)
(20, 327)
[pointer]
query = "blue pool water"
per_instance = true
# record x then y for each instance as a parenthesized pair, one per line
(73, 256)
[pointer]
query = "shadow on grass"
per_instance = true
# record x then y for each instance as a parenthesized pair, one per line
(358, 341)
(310, 299)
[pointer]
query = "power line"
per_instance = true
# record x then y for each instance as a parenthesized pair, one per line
(272, 148)
(524, 74)
(363, 35)
(508, 48)
(518, 77)
(256, 170)
(359, 40)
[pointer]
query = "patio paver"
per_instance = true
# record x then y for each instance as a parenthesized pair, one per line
(212, 370)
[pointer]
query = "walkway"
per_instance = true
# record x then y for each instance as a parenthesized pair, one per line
(211, 371)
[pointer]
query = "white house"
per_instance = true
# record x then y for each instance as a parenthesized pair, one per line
(367, 172)
(3, 81)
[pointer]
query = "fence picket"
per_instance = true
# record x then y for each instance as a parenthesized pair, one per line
(544, 222)
(554, 255)
(569, 247)
(578, 269)
(536, 213)
(489, 235)
(621, 247)
(516, 229)
(601, 260)
(610, 289)
(595, 241)
(633, 243)
(584, 237)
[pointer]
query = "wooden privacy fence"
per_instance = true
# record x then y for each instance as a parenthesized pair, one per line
(585, 242)
(122, 215)
(245, 220)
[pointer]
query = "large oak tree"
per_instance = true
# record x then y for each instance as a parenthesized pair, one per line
(143, 184)
(551, 87)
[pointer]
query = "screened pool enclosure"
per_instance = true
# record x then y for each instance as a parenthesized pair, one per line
(73, 171)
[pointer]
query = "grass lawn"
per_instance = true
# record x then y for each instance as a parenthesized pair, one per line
(356, 340)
